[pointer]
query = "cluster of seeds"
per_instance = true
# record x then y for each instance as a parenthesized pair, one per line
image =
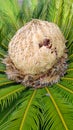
(46, 42)
(37, 54)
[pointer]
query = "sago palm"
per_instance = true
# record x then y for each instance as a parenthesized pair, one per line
(46, 108)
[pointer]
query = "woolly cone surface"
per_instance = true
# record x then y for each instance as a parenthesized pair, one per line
(37, 54)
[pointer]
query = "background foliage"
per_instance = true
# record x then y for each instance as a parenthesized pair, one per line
(49, 108)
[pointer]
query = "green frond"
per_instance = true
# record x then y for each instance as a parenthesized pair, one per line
(67, 83)
(69, 74)
(70, 64)
(4, 46)
(65, 88)
(8, 94)
(27, 10)
(44, 11)
(38, 9)
(49, 108)
(5, 81)
(10, 9)
(62, 108)
(2, 67)
(26, 114)
(71, 50)
(70, 69)
(2, 52)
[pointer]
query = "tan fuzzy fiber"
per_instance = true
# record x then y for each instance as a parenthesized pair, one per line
(37, 54)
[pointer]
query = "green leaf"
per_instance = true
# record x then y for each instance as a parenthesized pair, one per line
(38, 9)
(61, 108)
(29, 109)
(8, 94)
(49, 108)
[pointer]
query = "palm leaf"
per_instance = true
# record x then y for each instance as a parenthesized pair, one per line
(49, 108)
(26, 107)
(62, 108)
(9, 93)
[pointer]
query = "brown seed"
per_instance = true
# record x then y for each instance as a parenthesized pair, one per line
(50, 46)
(46, 42)
(40, 45)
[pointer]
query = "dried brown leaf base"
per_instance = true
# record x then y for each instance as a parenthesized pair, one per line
(37, 81)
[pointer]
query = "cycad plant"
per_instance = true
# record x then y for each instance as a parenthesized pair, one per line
(23, 108)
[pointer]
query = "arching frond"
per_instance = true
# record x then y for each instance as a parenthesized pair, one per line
(8, 94)
(62, 108)
(27, 113)
(49, 108)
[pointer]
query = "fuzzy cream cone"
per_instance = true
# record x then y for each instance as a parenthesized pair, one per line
(37, 54)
